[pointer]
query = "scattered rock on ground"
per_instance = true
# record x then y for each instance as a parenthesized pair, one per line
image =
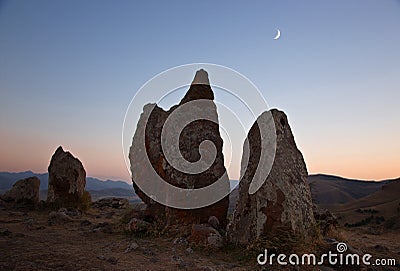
(132, 246)
(70, 212)
(205, 235)
(116, 203)
(100, 257)
(104, 227)
(59, 217)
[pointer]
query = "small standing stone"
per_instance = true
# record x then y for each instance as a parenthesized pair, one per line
(67, 179)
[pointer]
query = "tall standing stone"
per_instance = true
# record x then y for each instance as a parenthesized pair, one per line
(283, 203)
(190, 138)
(67, 179)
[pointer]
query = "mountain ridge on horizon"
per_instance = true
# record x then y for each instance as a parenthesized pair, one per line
(337, 177)
(7, 179)
(325, 175)
(327, 190)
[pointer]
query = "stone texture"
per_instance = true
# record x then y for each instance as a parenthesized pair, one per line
(205, 235)
(24, 192)
(67, 179)
(190, 138)
(283, 202)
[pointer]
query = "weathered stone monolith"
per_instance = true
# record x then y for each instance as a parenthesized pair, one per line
(282, 205)
(153, 119)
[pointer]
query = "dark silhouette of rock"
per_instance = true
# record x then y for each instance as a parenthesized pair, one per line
(190, 138)
(24, 192)
(67, 180)
(283, 202)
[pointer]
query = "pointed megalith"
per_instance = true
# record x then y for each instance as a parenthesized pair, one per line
(283, 202)
(196, 140)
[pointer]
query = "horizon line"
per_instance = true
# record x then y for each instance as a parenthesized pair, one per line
(308, 175)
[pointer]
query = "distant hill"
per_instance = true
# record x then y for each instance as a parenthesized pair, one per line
(384, 204)
(388, 193)
(7, 179)
(97, 188)
(332, 190)
(335, 193)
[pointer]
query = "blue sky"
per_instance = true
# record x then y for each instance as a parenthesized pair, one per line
(68, 70)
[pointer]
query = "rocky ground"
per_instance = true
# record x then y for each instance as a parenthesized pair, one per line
(96, 240)
(44, 240)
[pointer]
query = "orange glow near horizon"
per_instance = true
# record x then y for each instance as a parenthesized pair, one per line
(110, 164)
(104, 159)
(357, 162)
(25, 153)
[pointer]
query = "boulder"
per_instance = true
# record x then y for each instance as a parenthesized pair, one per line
(205, 235)
(67, 180)
(283, 201)
(24, 192)
(149, 130)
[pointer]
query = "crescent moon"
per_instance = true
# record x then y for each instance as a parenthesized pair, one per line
(278, 34)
